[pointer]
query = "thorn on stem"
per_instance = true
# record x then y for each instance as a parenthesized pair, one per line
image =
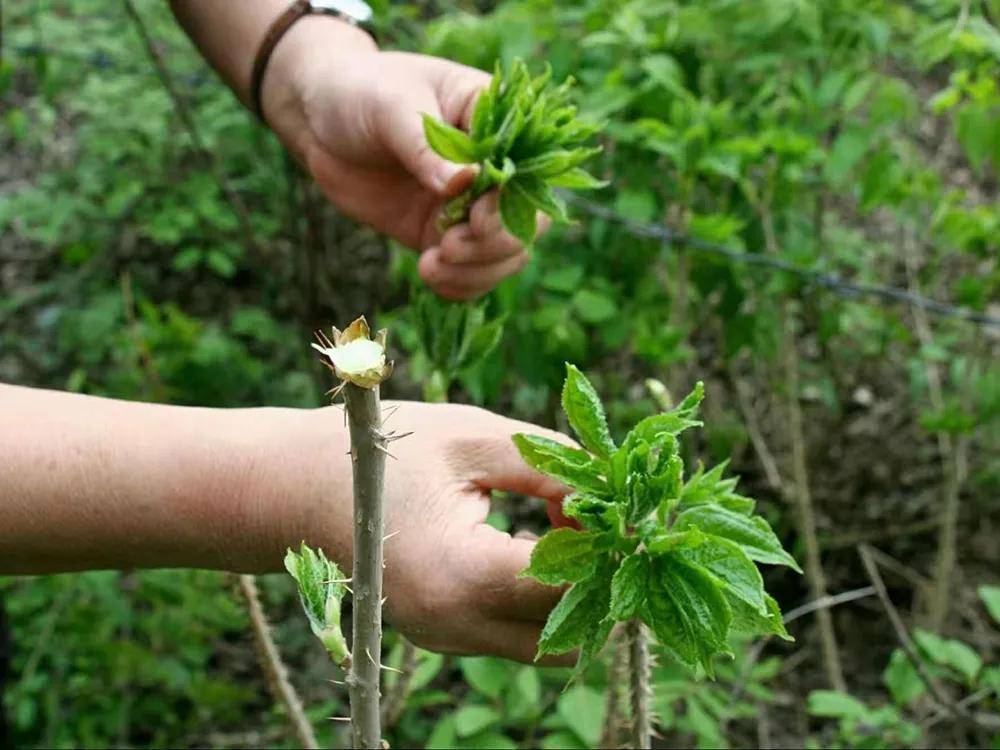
(370, 657)
(387, 537)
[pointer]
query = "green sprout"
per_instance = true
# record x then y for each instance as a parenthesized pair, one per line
(676, 553)
(527, 141)
(321, 590)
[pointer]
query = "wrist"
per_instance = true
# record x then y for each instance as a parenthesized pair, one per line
(310, 46)
(299, 489)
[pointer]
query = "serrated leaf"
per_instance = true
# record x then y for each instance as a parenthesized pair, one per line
(709, 487)
(572, 466)
(586, 413)
(729, 565)
(518, 215)
(629, 585)
(593, 513)
(753, 534)
(563, 556)
(448, 141)
(582, 608)
(748, 621)
(687, 612)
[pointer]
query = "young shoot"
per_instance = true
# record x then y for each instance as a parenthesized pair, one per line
(674, 551)
(526, 139)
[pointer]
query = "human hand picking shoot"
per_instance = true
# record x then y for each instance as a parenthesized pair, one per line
(148, 485)
(351, 115)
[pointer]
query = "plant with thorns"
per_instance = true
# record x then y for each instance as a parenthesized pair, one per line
(358, 360)
(655, 549)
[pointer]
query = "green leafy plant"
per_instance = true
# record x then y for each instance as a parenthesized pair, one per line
(454, 337)
(676, 554)
(527, 140)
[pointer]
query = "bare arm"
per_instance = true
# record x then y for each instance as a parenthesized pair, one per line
(96, 483)
(89, 483)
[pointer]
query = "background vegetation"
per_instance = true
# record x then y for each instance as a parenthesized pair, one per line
(158, 252)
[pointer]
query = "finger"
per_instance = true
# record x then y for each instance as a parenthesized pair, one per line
(486, 222)
(461, 245)
(518, 641)
(400, 126)
(475, 277)
(492, 462)
(500, 560)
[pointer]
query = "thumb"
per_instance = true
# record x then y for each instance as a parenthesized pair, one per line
(403, 132)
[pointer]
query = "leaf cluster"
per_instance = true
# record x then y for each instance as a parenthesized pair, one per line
(678, 553)
(527, 140)
(454, 336)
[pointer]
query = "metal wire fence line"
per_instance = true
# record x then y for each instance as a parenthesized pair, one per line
(831, 282)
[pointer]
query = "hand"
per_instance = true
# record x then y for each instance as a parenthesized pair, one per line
(352, 115)
(451, 581)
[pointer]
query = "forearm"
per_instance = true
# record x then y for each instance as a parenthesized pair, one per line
(95, 483)
(229, 33)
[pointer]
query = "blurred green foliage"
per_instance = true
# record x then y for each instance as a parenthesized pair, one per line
(860, 137)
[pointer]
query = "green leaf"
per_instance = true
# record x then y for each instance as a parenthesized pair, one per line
(991, 598)
(540, 196)
(555, 163)
(729, 565)
(687, 612)
(753, 534)
(580, 610)
(586, 413)
(577, 179)
(563, 556)
(672, 422)
(472, 719)
(902, 679)
(582, 708)
(448, 141)
(518, 214)
(748, 621)
(569, 465)
(629, 585)
(947, 652)
(832, 704)
(486, 674)
(563, 740)
(593, 513)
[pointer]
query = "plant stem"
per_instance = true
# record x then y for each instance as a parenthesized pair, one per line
(639, 684)
(368, 459)
(395, 699)
(613, 703)
(802, 499)
(277, 675)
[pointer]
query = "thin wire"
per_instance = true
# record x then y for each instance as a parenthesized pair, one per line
(830, 281)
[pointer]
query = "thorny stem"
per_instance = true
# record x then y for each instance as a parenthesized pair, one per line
(277, 675)
(395, 700)
(365, 420)
(639, 684)
(613, 696)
